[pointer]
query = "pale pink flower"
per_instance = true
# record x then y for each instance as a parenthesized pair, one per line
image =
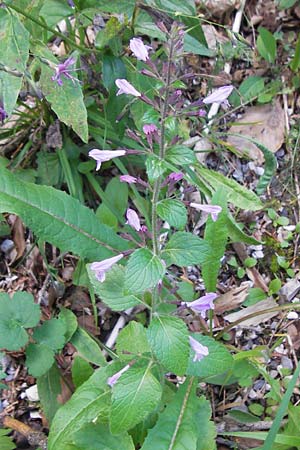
(111, 381)
(175, 176)
(104, 155)
(128, 179)
(202, 304)
(213, 210)
(151, 131)
(126, 88)
(133, 219)
(139, 49)
(63, 69)
(200, 350)
(219, 95)
(100, 268)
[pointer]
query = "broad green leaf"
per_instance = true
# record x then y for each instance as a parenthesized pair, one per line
(131, 341)
(58, 218)
(192, 45)
(169, 339)
(91, 400)
(218, 361)
(39, 359)
(70, 322)
(112, 68)
(53, 11)
(134, 396)
(216, 235)
(266, 45)
(155, 167)
(95, 436)
(125, 7)
(180, 155)
(251, 87)
(6, 442)
(177, 426)
(49, 388)
(87, 347)
(112, 30)
(14, 52)
(177, 6)
(286, 3)
(117, 194)
(236, 233)
(295, 63)
(51, 333)
(112, 291)
(173, 211)
(206, 429)
(184, 249)
(49, 170)
(236, 193)
(81, 371)
(16, 314)
(143, 271)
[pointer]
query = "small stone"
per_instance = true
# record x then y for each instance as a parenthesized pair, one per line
(35, 415)
(287, 363)
(32, 393)
(7, 245)
(292, 315)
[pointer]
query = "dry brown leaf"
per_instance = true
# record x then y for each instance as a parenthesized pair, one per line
(259, 318)
(18, 236)
(265, 124)
(232, 299)
(219, 7)
(290, 289)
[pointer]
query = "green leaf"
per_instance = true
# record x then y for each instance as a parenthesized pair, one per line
(117, 193)
(192, 45)
(81, 371)
(251, 87)
(207, 430)
(112, 291)
(236, 193)
(49, 170)
(16, 314)
(266, 45)
(287, 3)
(51, 333)
(295, 63)
(180, 155)
(134, 396)
(177, 427)
(6, 442)
(70, 322)
(169, 339)
(58, 218)
(173, 211)
(14, 52)
(49, 388)
(219, 359)
(112, 68)
(216, 235)
(97, 436)
(53, 11)
(236, 233)
(177, 6)
(131, 341)
(39, 359)
(184, 249)
(143, 271)
(155, 167)
(87, 347)
(91, 400)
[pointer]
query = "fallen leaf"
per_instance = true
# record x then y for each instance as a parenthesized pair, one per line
(220, 7)
(254, 309)
(265, 124)
(232, 299)
(18, 236)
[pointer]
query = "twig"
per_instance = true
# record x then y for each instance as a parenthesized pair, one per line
(34, 438)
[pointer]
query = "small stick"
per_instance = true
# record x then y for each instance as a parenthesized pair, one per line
(34, 438)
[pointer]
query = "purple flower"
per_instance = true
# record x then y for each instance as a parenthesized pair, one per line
(213, 210)
(126, 88)
(219, 95)
(63, 69)
(151, 131)
(101, 267)
(200, 350)
(139, 49)
(202, 304)
(128, 179)
(175, 176)
(104, 155)
(133, 219)
(201, 113)
(111, 381)
(71, 3)
(3, 114)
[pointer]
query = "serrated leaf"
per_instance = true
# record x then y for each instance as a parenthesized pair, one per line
(134, 396)
(49, 388)
(97, 436)
(51, 333)
(16, 314)
(14, 52)
(177, 426)
(173, 211)
(143, 271)
(39, 359)
(112, 291)
(236, 193)
(184, 249)
(155, 167)
(216, 235)
(58, 218)
(81, 371)
(169, 339)
(91, 400)
(131, 341)
(87, 347)
(180, 155)
(218, 361)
